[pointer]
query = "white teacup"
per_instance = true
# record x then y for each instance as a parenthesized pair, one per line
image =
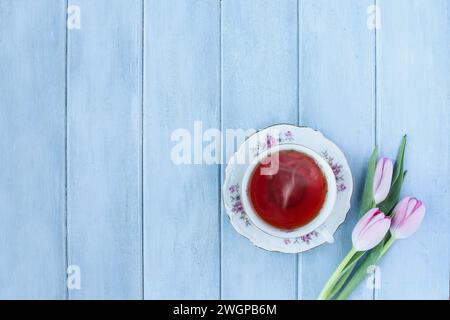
(317, 224)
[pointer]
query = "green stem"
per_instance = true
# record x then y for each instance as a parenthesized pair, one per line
(361, 272)
(329, 286)
(341, 282)
(387, 246)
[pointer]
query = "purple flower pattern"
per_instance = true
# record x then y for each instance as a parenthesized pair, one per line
(337, 170)
(307, 238)
(271, 141)
(237, 206)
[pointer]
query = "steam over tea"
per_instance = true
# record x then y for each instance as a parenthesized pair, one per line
(293, 195)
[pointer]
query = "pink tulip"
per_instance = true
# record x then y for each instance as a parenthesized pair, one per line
(408, 216)
(370, 230)
(382, 179)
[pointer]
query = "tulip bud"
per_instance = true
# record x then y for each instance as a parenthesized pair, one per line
(370, 230)
(382, 179)
(408, 216)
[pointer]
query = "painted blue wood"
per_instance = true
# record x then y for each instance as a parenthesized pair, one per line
(181, 201)
(32, 135)
(230, 64)
(413, 66)
(337, 96)
(104, 149)
(259, 88)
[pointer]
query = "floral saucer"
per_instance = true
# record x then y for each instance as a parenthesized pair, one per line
(267, 139)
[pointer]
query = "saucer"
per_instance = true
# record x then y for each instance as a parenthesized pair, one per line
(250, 150)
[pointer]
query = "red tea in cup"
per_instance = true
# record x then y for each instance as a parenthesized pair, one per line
(292, 195)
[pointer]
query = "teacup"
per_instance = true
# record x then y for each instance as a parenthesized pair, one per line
(267, 161)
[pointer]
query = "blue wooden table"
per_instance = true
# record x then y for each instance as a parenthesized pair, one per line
(89, 100)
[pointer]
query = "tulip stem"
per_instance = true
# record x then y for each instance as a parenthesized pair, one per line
(374, 256)
(387, 245)
(336, 276)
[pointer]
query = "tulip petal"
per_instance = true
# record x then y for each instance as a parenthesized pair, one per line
(362, 223)
(382, 179)
(370, 230)
(377, 217)
(373, 236)
(400, 211)
(378, 175)
(409, 214)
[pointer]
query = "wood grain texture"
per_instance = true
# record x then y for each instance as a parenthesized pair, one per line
(104, 149)
(140, 226)
(337, 97)
(413, 64)
(181, 202)
(259, 88)
(32, 135)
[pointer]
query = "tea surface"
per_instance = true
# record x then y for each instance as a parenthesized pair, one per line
(291, 196)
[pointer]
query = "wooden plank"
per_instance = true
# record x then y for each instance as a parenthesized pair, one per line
(181, 201)
(104, 149)
(32, 157)
(260, 88)
(337, 96)
(413, 63)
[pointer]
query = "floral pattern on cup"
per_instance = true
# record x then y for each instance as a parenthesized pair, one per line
(237, 206)
(337, 170)
(270, 141)
(307, 238)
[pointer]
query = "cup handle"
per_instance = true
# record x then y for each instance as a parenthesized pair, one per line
(325, 234)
